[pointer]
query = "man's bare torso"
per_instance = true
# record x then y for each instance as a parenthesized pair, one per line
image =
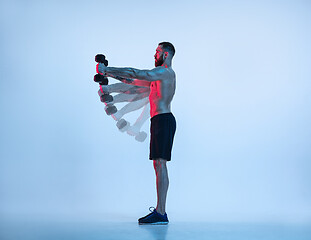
(161, 93)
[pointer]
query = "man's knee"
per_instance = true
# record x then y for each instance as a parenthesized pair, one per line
(159, 164)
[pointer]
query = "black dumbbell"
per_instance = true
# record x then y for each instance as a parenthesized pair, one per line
(110, 109)
(106, 98)
(100, 58)
(123, 125)
(102, 80)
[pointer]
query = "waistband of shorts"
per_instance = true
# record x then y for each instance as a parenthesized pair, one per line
(162, 115)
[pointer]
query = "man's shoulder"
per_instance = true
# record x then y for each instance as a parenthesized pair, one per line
(166, 71)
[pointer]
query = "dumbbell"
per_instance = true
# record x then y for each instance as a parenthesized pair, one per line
(123, 125)
(106, 98)
(102, 80)
(141, 136)
(110, 109)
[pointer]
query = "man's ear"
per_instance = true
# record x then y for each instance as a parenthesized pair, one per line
(165, 55)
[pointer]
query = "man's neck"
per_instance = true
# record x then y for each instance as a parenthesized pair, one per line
(167, 64)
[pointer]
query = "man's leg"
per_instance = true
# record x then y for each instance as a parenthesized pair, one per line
(162, 183)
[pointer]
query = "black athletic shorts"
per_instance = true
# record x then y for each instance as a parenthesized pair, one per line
(162, 131)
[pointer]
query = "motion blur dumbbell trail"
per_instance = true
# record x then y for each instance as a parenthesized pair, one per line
(136, 97)
(103, 80)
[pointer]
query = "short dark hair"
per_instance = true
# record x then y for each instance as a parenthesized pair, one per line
(167, 46)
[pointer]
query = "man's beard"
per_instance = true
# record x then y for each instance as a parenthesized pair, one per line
(159, 62)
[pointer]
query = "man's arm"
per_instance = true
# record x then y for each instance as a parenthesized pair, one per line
(155, 74)
(135, 82)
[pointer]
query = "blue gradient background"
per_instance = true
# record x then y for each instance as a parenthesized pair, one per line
(242, 149)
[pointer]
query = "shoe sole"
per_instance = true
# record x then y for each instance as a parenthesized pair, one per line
(156, 223)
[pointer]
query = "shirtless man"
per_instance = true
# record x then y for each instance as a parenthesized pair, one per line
(162, 82)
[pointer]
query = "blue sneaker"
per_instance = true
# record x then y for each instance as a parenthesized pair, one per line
(154, 218)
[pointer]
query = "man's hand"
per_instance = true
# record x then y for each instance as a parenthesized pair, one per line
(101, 68)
